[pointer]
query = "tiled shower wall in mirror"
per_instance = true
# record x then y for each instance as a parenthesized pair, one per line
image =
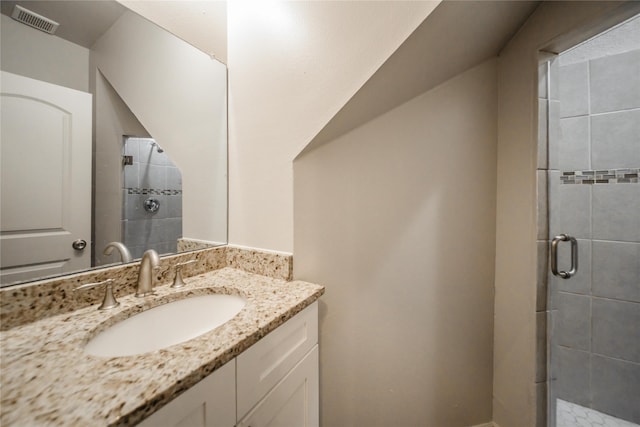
(152, 198)
(594, 195)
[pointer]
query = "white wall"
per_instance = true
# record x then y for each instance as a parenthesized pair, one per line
(397, 220)
(292, 66)
(32, 53)
(178, 94)
(112, 120)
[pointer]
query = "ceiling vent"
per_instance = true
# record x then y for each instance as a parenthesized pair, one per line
(34, 20)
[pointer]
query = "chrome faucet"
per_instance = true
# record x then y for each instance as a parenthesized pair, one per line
(150, 261)
(125, 255)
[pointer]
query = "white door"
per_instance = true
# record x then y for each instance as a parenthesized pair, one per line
(45, 155)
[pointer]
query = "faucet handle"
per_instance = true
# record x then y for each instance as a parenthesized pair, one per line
(109, 301)
(178, 282)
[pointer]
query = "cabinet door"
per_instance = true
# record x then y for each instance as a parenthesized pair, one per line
(293, 402)
(209, 403)
(265, 363)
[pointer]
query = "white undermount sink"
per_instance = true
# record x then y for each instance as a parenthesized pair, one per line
(165, 325)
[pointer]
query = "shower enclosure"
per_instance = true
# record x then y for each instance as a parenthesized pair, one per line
(590, 102)
(152, 198)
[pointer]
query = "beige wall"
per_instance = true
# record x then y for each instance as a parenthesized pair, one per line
(32, 53)
(292, 66)
(397, 220)
(178, 93)
(112, 120)
(518, 399)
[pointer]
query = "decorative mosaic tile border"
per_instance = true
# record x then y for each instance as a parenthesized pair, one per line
(154, 191)
(572, 415)
(601, 176)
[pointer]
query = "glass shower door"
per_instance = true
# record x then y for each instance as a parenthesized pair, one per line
(594, 222)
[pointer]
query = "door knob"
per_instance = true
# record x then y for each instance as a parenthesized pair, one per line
(79, 244)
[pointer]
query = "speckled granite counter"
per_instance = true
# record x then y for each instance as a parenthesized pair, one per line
(46, 379)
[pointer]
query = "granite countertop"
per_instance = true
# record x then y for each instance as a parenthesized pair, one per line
(47, 379)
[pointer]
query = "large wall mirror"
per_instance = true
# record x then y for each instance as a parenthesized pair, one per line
(113, 129)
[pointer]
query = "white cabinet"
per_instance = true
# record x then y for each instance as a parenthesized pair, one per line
(273, 383)
(266, 362)
(209, 403)
(293, 402)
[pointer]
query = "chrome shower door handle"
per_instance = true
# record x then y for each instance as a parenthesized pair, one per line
(554, 256)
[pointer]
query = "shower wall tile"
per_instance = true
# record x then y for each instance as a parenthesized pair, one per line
(133, 206)
(164, 248)
(615, 82)
(131, 176)
(616, 387)
(542, 206)
(153, 176)
(542, 279)
(132, 148)
(541, 404)
(174, 179)
(569, 208)
(554, 134)
(573, 150)
(174, 206)
(135, 232)
(552, 344)
(163, 210)
(542, 80)
(137, 251)
(144, 145)
(615, 212)
(573, 373)
(574, 90)
(554, 75)
(616, 329)
(541, 346)
(573, 326)
(173, 228)
(543, 110)
(552, 404)
(615, 140)
(616, 270)
(158, 159)
(581, 282)
(159, 231)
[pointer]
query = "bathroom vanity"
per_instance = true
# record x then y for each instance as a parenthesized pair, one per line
(260, 366)
(274, 382)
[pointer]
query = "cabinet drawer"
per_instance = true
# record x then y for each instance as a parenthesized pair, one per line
(265, 363)
(209, 403)
(294, 401)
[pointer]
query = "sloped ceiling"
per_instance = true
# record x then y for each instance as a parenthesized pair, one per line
(81, 22)
(203, 24)
(456, 36)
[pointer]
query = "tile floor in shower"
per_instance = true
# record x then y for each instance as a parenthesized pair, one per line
(572, 415)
